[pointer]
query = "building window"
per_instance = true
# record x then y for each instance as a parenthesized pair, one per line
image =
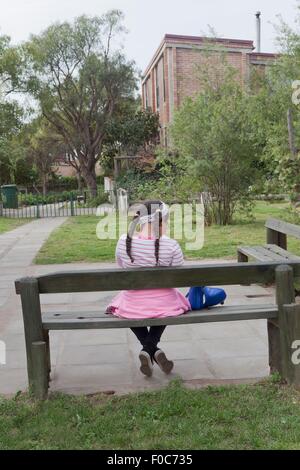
(146, 95)
(157, 87)
(164, 82)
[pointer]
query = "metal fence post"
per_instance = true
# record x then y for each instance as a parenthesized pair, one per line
(37, 210)
(72, 205)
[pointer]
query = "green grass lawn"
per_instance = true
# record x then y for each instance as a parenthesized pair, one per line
(76, 240)
(9, 224)
(262, 416)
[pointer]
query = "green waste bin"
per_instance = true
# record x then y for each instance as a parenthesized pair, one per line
(10, 196)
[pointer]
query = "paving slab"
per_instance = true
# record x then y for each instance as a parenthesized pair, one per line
(228, 348)
(89, 361)
(241, 367)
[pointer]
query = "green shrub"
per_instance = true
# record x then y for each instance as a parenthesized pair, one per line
(101, 198)
(50, 198)
(62, 183)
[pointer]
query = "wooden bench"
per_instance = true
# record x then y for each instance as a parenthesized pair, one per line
(276, 246)
(282, 315)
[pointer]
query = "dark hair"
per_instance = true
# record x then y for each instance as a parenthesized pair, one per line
(146, 208)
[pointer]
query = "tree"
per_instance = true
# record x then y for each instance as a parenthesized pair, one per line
(278, 115)
(10, 67)
(214, 134)
(79, 78)
(10, 123)
(10, 111)
(132, 131)
(45, 145)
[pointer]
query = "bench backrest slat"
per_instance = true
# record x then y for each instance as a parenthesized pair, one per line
(283, 227)
(147, 278)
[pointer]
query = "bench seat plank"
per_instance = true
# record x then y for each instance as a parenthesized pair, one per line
(283, 253)
(260, 253)
(94, 320)
(268, 252)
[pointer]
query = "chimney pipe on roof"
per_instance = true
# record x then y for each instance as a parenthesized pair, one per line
(258, 30)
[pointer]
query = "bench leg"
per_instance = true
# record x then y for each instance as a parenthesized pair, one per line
(32, 318)
(39, 370)
(242, 258)
(290, 343)
(284, 280)
(47, 341)
(274, 347)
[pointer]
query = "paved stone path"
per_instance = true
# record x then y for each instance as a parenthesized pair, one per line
(17, 252)
(18, 249)
(89, 361)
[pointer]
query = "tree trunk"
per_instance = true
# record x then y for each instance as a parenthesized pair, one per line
(291, 133)
(87, 169)
(89, 177)
(44, 182)
(79, 181)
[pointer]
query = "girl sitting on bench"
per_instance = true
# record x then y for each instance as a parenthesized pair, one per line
(149, 247)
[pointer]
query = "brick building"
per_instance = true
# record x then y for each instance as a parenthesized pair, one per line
(172, 73)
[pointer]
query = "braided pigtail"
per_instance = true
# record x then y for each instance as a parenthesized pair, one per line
(130, 233)
(158, 235)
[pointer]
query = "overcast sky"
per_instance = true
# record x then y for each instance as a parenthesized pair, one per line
(148, 20)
